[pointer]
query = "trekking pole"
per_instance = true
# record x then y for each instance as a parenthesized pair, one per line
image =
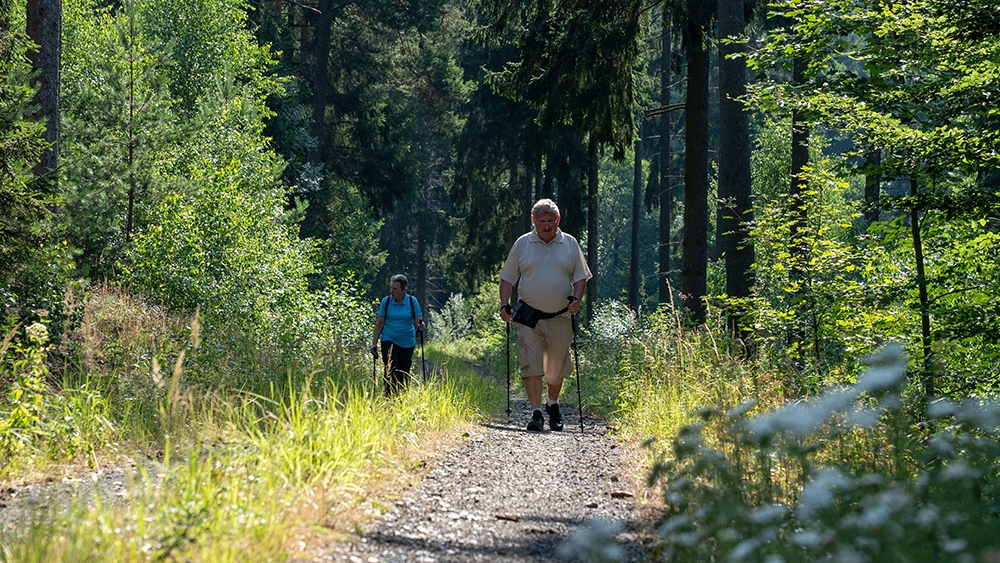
(423, 375)
(508, 372)
(374, 372)
(576, 360)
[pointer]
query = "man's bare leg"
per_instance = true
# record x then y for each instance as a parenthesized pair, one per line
(533, 388)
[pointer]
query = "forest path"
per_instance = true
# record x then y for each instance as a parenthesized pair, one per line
(508, 495)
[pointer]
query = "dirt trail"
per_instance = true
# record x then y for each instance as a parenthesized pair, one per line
(508, 495)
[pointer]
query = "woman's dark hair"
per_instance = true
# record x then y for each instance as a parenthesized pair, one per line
(399, 278)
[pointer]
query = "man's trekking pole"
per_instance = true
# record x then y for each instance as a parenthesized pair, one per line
(508, 372)
(576, 360)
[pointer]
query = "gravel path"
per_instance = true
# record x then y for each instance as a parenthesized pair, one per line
(509, 495)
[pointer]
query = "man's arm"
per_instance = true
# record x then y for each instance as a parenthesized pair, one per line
(506, 288)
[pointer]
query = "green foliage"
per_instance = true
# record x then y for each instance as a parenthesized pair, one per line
(37, 424)
(834, 479)
(909, 84)
(615, 219)
(280, 458)
(213, 49)
(144, 103)
(840, 298)
(24, 212)
(119, 130)
(25, 400)
(351, 243)
(576, 63)
(227, 250)
(452, 322)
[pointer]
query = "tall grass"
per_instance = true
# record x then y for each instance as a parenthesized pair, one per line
(863, 471)
(219, 473)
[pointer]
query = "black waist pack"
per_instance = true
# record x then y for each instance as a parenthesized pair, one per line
(528, 316)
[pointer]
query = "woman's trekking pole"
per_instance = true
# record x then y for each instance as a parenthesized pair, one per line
(423, 375)
(508, 372)
(576, 360)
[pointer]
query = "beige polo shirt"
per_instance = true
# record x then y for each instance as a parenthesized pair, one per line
(547, 271)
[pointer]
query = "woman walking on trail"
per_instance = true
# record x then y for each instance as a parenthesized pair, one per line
(551, 274)
(398, 320)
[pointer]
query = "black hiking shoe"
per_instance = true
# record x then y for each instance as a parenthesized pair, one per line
(537, 421)
(555, 417)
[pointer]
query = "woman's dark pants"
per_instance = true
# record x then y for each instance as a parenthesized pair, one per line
(397, 362)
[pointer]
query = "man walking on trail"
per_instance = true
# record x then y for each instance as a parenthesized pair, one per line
(548, 266)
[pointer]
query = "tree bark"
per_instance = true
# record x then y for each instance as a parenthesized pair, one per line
(798, 216)
(633, 263)
(593, 238)
(666, 179)
(44, 27)
(694, 251)
(526, 182)
(800, 159)
(734, 160)
(927, 375)
(321, 80)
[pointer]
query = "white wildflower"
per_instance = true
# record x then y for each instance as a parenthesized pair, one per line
(810, 539)
(955, 546)
(594, 542)
(742, 409)
(818, 493)
(800, 419)
(883, 506)
(767, 513)
(743, 549)
(849, 555)
(864, 418)
(928, 516)
(957, 470)
(686, 539)
(675, 523)
(942, 408)
(940, 445)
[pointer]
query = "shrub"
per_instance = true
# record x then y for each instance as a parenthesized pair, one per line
(838, 478)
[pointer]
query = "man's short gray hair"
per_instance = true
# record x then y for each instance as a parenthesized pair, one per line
(545, 206)
(399, 278)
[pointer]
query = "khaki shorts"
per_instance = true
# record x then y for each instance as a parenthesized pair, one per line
(544, 350)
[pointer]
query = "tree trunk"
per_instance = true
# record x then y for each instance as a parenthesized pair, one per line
(927, 375)
(44, 27)
(421, 289)
(321, 80)
(798, 218)
(633, 264)
(694, 253)
(800, 159)
(666, 179)
(526, 183)
(734, 160)
(593, 238)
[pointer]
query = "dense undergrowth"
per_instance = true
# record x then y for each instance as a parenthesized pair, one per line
(750, 469)
(227, 456)
(753, 470)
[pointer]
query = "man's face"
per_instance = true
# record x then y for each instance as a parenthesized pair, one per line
(396, 290)
(546, 225)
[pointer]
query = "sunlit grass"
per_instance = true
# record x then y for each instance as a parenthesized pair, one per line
(251, 474)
